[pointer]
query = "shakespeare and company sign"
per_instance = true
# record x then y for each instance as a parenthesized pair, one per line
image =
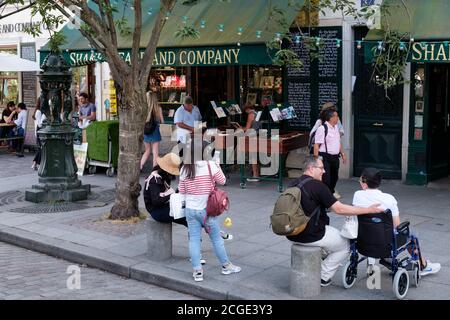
(438, 52)
(201, 56)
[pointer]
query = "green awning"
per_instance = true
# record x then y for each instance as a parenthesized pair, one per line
(422, 19)
(248, 16)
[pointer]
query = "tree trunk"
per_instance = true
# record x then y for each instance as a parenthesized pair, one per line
(132, 108)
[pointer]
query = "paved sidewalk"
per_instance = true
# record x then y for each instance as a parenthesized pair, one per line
(84, 236)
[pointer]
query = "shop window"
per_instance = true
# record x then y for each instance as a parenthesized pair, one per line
(9, 82)
(261, 85)
(171, 89)
(9, 90)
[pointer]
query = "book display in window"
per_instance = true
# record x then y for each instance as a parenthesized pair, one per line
(172, 89)
(263, 85)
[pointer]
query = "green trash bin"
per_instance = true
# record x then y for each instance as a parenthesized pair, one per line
(103, 146)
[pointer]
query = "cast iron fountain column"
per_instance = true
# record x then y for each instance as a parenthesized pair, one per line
(58, 180)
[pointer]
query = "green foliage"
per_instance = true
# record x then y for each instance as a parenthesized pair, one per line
(287, 57)
(123, 27)
(390, 61)
(313, 46)
(56, 41)
(186, 32)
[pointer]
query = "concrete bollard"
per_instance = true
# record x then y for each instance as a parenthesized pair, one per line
(159, 240)
(305, 271)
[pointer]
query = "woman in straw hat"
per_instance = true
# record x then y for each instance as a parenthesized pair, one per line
(158, 190)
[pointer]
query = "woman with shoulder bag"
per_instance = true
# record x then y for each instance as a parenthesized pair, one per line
(157, 189)
(196, 184)
(152, 122)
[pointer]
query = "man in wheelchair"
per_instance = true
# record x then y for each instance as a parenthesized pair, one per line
(370, 234)
(382, 236)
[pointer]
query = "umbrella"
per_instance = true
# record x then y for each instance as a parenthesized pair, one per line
(12, 63)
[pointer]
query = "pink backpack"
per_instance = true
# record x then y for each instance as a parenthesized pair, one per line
(218, 201)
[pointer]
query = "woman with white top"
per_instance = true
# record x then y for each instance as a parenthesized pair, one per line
(196, 183)
(38, 117)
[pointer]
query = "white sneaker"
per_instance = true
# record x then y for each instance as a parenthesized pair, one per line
(430, 268)
(230, 268)
(226, 236)
(336, 195)
(198, 275)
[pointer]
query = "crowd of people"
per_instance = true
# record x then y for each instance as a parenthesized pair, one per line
(320, 171)
(198, 177)
(13, 126)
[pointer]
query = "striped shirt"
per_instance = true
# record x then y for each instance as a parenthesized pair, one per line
(198, 189)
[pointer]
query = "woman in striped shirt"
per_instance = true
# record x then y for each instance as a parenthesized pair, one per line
(196, 184)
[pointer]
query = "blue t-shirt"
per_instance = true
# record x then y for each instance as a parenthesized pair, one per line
(87, 109)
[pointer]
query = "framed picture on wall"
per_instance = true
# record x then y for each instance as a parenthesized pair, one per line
(251, 98)
(419, 106)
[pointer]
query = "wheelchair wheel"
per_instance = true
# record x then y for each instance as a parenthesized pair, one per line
(401, 283)
(349, 274)
(416, 275)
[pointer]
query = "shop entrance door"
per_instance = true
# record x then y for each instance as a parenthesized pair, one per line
(439, 121)
(378, 120)
(209, 84)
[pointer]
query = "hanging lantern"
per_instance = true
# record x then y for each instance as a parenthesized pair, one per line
(380, 45)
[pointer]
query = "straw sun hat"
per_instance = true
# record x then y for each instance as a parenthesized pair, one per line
(170, 163)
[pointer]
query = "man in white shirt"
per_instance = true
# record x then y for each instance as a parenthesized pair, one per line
(370, 181)
(185, 118)
(19, 130)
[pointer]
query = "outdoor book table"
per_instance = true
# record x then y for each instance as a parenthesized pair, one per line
(286, 142)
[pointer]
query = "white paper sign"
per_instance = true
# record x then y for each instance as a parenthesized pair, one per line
(80, 154)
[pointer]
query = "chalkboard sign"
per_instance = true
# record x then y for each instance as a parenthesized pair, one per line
(29, 79)
(319, 81)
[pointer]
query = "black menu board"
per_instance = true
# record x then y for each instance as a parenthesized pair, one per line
(29, 96)
(319, 81)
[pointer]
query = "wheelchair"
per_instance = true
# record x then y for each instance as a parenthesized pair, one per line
(397, 249)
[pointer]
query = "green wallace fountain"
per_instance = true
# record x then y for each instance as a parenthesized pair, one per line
(58, 180)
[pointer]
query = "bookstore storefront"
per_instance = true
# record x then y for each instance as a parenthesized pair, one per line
(227, 75)
(229, 63)
(426, 97)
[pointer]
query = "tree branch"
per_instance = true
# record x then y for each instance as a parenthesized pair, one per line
(146, 63)
(17, 10)
(135, 61)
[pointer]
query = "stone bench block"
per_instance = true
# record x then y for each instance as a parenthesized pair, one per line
(159, 240)
(305, 271)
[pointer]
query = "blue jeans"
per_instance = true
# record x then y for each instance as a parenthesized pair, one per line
(195, 220)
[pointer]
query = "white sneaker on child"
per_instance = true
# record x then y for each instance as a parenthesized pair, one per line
(198, 275)
(230, 268)
(430, 268)
(226, 236)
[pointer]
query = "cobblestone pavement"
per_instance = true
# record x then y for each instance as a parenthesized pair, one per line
(28, 275)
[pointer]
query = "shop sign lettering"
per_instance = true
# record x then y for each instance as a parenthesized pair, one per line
(430, 52)
(177, 57)
(19, 27)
